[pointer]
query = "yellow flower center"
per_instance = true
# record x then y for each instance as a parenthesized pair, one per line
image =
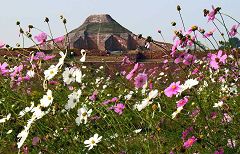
(51, 72)
(93, 142)
(84, 114)
(49, 97)
(174, 87)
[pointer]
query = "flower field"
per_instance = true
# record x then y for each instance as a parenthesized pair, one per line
(58, 103)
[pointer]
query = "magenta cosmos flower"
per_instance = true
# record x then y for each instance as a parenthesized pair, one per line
(131, 73)
(41, 38)
(119, 108)
(212, 14)
(140, 80)
(189, 142)
(3, 69)
(173, 89)
(233, 30)
(217, 58)
(182, 102)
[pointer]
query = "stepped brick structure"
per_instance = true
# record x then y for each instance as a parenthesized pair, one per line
(103, 33)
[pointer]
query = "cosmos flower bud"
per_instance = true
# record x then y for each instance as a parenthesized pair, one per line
(18, 45)
(173, 23)
(29, 34)
(178, 8)
(30, 26)
(194, 28)
(139, 36)
(154, 107)
(205, 12)
(218, 9)
(64, 21)
(21, 31)
(46, 19)
(202, 31)
(149, 39)
(18, 23)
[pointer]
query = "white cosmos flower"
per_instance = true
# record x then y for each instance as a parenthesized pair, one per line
(143, 104)
(47, 99)
(78, 75)
(179, 109)
(73, 99)
(153, 94)
(9, 131)
(219, 104)
(129, 96)
(31, 73)
(50, 72)
(91, 142)
(191, 82)
(188, 85)
(68, 75)
(61, 60)
(22, 136)
(83, 114)
(6, 118)
(83, 59)
(26, 110)
(137, 131)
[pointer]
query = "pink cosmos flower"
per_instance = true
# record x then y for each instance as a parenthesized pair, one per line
(41, 38)
(233, 30)
(182, 102)
(59, 39)
(217, 58)
(126, 61)
(119, 108)
(106, 102)
(186, 132)
(226, 118)
(3, 69)
(35, 141)
(173, 89)
(94, 96)
(175, 46)
(114, 99)
(131, 73)
(2, 44)
(186, 58)
(219, 151)
(17, 70)
(208, 34)
(189, 142)
(140, 80)
(43, 56)
(165, 61)
(52, 82)
(195, 71)
(212, 14)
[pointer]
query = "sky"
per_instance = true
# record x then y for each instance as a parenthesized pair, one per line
(139, 16)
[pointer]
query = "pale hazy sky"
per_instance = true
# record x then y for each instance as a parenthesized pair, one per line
(139, 16)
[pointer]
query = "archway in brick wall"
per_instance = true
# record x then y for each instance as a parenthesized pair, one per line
(112, 44)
